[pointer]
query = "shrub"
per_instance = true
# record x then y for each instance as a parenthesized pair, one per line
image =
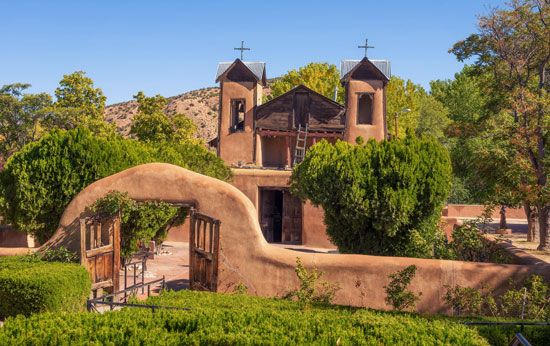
(312, 290)
(140, 221)
(397, 294)
(39, 181)
(381, 198)
(469, 244)
(229, 319)
(29, 285)
(61, 254)
(468, 301)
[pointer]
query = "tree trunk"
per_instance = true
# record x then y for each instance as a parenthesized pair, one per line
(502, 217)
(544, 227)
(532, 222)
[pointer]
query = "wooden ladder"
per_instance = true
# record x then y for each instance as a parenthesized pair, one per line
(301, 140)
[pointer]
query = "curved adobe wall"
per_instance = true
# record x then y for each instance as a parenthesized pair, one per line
(269, 270)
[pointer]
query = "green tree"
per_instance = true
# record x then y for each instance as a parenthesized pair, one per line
(512, 46)
(403, 95)
(320, 77)
(381, 198)
(433, 118)
(21, 117)
(79, 103)
(151, 124)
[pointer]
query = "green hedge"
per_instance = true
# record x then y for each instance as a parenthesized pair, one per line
(220, 319)
(28, 285)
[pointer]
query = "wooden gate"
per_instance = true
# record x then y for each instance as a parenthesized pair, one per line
(204, 247)
(100, 252)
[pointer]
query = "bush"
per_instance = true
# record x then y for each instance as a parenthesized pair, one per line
(382, 198)
(39, 181)
(469, 244)
(29, 285)
(61, 254)
(140, 221)
(397, 294)
(312, 290)
(223, 319)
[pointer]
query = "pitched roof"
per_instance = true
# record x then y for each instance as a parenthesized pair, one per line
(296, 88)
(383, 66)
(257, 68)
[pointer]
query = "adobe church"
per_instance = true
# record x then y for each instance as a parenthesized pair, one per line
(263, 141)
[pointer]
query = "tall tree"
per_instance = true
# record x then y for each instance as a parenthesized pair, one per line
(403, 101)
(79, 103)
(151, 124)
(513, 45)
(21, 115)
(321, 77)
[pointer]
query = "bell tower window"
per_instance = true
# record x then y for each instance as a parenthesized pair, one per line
(237, 115)
(365, 109)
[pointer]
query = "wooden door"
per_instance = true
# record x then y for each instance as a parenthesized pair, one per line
(100, 252)
(292, 218)
(204, 247)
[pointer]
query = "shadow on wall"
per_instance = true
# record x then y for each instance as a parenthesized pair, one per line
(246, 258)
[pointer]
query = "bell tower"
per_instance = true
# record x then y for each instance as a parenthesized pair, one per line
(241, 85)
(365, 86)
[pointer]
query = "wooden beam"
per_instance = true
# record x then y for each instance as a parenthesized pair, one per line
(324, 134)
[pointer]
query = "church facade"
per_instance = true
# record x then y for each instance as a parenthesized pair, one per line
(263, 141)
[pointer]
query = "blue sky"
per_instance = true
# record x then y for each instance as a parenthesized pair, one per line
(169, 47)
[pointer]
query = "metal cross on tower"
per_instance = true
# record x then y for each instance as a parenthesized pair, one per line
(366, 46)
(242, 49)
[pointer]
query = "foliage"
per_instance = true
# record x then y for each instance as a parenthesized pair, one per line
(530, 301)
(468, 301)
(379, 197)
(78, 104)
(60, 254)
(312, 290)
(320, 77)
(21, 115)
(469, 244)
(151, 124)
(397, 294)
(433, 118)
(511, 46)
(40, 180)
(222, 319)
(401, 95)
(28, 285)
(140, 221)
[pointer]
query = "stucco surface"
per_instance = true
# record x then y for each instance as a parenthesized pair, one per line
(354, 130)
(245, 257)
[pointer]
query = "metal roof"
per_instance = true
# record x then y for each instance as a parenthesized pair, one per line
(383, 65)
(256, 67)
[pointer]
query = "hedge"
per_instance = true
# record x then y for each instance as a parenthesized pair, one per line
(29, 285)
(222, 319)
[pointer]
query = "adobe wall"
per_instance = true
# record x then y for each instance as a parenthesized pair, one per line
(475, 210)
(353, 130)
(267, 270)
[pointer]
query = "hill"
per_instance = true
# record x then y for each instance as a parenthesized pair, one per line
(199, 105)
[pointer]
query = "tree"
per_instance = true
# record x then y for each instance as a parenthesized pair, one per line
(151, 124)
(403, 95)
(21, 117)
(433, 118)
(512, 45)
(323, 78)
(380, 198)
(78, 103)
